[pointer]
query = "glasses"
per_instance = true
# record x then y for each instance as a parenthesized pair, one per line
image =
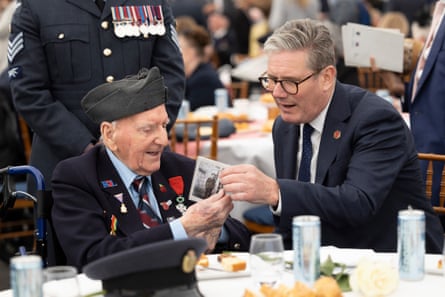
(289, 86)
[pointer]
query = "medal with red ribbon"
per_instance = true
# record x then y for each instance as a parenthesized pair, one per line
(177, 184)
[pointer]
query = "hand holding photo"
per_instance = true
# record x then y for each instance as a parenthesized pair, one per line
(206, 178)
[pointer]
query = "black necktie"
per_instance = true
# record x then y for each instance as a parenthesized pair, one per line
(304, 172)
(100, 4)
(147, 214)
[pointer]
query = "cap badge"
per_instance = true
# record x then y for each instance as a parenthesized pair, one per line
(189, 261)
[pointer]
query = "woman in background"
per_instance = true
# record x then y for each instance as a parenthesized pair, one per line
(201, 77)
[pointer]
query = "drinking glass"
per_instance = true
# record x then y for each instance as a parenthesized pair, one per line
(60, 281)
(266, 258)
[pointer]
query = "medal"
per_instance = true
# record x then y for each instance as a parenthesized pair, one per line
(123, 208)
(177, 184)
(160, 20)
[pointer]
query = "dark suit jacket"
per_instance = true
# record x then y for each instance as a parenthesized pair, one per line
(427, 109)
(367, 170)
(64, 56)
(83, 207)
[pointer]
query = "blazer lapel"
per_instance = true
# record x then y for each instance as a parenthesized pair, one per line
(116, 193)
(332, 132)
(432, 57)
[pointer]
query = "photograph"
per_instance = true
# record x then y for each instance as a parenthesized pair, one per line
(205, 178)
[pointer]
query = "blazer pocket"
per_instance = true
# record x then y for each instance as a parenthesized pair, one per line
(68, 52)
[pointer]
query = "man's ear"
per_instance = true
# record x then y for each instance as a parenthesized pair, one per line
(328, 77)
(107, 133)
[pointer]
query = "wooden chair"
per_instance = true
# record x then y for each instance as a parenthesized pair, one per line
(431, 158)
(239, 89)
(370, 80)
(202, 129)
(26, 137)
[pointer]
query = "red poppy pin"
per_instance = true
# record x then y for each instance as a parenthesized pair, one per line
(162, 188)
(337, 134)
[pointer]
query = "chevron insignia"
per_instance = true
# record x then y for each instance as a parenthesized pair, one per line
(15, 45)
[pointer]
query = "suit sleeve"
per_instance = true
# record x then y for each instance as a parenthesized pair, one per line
(168, 57)
(32, 93)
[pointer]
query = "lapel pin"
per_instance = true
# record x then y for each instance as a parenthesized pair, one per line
(108, 183)
(337, 134)
(166, 204)
(120, 198)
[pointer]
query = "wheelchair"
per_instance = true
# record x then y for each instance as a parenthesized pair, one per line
(45, 242)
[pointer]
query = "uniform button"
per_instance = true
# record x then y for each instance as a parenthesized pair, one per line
(107, 52)
(110, 78)
(104, 25)
(237, 246)
(61, 36)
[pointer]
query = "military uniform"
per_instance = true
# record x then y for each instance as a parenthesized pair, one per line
(59, 50)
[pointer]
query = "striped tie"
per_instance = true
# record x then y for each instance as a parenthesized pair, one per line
(147, 214)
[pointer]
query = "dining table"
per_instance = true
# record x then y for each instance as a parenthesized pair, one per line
(215, 282)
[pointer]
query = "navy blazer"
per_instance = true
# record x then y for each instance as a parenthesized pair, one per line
(69, 47)
(367, 170)
(85, 190)
(427, 107)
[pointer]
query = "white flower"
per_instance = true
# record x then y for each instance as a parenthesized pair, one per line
(374, 279)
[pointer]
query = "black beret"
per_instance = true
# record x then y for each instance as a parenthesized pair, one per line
(125, 97)
(149, 268)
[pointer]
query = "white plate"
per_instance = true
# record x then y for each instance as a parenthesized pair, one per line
(215, 269)
(431, 264)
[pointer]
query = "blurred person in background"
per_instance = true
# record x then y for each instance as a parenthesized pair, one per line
(201, 77)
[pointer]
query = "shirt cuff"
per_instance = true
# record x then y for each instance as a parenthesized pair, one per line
(224, 236)
(178, 230)
(277, 211)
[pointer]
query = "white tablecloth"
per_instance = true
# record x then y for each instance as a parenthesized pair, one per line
(225, 284)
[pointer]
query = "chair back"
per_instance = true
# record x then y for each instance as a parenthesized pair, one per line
(191, 146)
(431, 159)
(239, 89)
(369, 79)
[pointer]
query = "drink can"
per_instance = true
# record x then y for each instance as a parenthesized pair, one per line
(26, 276)
(411, 244)
(306, 245)
(221, 99)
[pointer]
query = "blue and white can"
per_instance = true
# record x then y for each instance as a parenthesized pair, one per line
(26, 276)
(411, 244)
(221, 99)
(306, 245)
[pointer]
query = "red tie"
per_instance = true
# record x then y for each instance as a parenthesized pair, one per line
(147, 214)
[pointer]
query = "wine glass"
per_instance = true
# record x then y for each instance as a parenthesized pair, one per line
(266, 258)
(60, 281)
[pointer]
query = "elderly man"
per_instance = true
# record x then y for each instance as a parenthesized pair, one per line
(341, 153)
(129, 192)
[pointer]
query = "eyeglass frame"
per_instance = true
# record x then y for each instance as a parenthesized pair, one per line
(280, 81)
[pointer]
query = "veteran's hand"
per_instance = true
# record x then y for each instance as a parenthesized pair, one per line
(248, 183)
(211, 236)
(207, 214)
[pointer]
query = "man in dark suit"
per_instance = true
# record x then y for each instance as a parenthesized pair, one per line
(59, 50)
(424, 98)
(362, 166)
(96, 209)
